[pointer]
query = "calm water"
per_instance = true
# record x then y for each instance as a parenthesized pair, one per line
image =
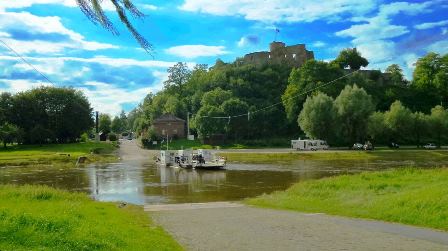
(144, 183)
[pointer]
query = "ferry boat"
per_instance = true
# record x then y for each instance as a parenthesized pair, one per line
(201, 159)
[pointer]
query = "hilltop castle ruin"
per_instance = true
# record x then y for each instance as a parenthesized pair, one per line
(294, 55)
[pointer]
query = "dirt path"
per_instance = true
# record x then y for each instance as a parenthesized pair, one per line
(130, 151)
(230, 226)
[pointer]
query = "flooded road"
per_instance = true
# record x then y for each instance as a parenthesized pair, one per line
(140, 182)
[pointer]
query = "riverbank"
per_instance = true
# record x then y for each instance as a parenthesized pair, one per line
(287, 156)
(409, 196)
(61, 154)
(38, 217)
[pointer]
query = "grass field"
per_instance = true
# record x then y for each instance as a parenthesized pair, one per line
(266, 157)
(42, 218)
(410, 196)
(252, 144)
(56, 153)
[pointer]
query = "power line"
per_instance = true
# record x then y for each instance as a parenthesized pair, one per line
(26, 61)
(281, 102)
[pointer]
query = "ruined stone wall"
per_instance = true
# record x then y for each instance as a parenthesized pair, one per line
(279, 53)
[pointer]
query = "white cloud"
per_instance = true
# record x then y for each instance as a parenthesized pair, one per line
(108, 98)
(440, 47)
(281, 10)
(319, 44)
(19, 4)
(373, 37)
(20, 85)
(194, 51)
(148, 7)
(424, 26)
(444, 31)
(44, 25)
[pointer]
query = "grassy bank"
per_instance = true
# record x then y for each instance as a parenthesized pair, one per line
(246, 144)
(42, 218)
(56, 153)
(410, 196)
(266, 157)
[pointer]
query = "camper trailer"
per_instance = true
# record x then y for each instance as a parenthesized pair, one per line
(309, 145)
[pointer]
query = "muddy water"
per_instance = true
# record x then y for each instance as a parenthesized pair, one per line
(144, 183)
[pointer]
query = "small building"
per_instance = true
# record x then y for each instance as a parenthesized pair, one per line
(103, 136)
(170, 125)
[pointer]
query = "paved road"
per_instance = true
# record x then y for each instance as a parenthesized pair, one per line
(230, 226)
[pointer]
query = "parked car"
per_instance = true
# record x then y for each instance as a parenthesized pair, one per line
(394, 145)
(368, 146)
(357, 146)
(430, 146)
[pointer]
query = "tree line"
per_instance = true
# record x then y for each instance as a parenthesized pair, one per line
(228, 89)
(44, 115)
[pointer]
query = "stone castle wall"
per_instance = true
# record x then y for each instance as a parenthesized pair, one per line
(295, 55)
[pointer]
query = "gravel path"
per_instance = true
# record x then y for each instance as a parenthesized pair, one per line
(230, 226)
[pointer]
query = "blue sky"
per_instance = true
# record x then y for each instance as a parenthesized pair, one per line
(115, 73)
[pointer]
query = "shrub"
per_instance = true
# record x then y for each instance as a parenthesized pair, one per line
(112, 137)
(84, 137)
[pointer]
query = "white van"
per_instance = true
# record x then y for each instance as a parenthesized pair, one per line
(309, 144)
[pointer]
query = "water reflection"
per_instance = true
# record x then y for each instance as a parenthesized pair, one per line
(140, 182)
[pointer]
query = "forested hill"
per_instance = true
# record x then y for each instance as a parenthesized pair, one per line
(231, 89)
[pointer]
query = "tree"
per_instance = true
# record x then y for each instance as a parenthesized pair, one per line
(420, 127)
(238, 126)
(178, 75)
(65, 112)
(439, 123)
(94, 11)
(354, 106)
(351, 58)
(311, 75)
(377, 129)
(399, 121)
(105, 123)
(425, 71)
(318, 117)
(8, 133)
(396, 74)
(205, 124)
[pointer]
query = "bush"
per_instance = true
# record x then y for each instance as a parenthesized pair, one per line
(112, 137)
(148, 137)
(84, 137)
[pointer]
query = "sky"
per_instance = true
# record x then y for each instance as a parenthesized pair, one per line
(116, 74)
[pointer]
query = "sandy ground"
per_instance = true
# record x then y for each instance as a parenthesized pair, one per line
(230, 226)
(234, 226)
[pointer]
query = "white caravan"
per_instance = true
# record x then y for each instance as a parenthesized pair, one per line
(309, 144)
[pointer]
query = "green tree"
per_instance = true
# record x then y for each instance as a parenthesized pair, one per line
(351, 58)
(396, 74)
(308, 77)
(216, 97)
(105, 123)
(94, 11)
(399, 121)
(238, 126)
(439, 123)
(377, 129)
(8, 133)
(354, 107)
(425, 71)
(420, 127)
(178, 75)
(318, 118)
(206, 125)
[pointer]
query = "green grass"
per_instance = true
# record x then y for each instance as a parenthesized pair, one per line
(56, 153)
(286, 157)
(409, 196)
(43, 218)
(245, 144)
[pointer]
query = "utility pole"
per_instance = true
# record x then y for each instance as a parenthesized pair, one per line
(97, 136)
(188, 124)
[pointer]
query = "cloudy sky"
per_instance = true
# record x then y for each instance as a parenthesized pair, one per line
(115, 74)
